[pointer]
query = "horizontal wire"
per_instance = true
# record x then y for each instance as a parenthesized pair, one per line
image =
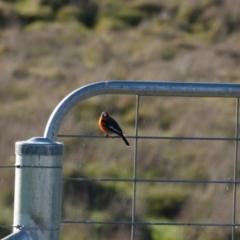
(29, 166)
(151, 223)
(21, 227)
(152, 137)
(7, 226)
(8, 166)
(150, 180)
(23, 166)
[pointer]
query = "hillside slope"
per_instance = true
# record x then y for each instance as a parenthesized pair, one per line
(48, 50)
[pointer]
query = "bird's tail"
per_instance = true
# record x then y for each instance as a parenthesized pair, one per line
(125, 140)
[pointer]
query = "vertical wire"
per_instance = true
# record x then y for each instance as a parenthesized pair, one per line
(235, 170)
(135, 170)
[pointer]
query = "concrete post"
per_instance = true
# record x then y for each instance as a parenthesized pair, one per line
(38, 186)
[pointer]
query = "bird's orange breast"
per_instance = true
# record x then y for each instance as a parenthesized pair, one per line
(103, 128)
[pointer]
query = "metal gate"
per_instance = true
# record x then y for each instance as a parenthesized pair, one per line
(44, 156)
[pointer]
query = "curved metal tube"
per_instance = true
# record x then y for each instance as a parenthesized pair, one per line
(136, 88)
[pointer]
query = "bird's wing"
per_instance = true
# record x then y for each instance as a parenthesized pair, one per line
(113, 126)
(115, 130)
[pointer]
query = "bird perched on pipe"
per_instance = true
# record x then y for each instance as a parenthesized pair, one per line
(108, 125)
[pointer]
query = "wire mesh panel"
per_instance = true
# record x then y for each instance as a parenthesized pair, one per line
(178, 179)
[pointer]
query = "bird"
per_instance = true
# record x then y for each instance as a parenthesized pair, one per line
(108, 125)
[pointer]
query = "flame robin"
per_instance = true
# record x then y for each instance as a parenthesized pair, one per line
(108, 125)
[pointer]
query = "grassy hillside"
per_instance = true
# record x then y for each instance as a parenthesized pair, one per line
(50, 48)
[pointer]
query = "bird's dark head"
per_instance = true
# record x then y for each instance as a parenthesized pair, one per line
(104, 114)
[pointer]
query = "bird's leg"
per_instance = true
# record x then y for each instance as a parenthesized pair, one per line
(109, 135)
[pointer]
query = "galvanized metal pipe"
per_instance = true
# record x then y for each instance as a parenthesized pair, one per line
(38, 186)
(136, 88)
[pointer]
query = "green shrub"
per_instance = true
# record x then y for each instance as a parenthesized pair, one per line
(148, 7)
(165, 203)
(130, 16)
(68, 13)
(110, 23)
(165, 232)
(166, 117)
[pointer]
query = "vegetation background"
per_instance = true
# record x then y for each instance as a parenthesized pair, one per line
(50, 48)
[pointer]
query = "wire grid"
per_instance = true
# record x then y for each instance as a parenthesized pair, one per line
(136, 180)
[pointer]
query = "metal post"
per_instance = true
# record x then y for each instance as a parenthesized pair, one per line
(38, 186)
